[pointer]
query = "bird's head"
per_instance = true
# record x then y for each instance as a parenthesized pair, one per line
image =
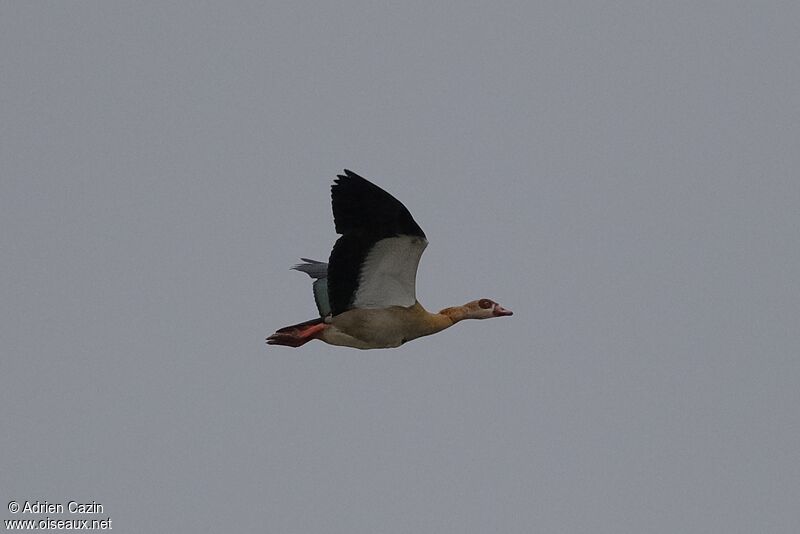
(485, 309)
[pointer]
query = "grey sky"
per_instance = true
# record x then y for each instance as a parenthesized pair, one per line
(623, 175)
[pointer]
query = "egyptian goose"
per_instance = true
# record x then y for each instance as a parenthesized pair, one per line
(366, 293)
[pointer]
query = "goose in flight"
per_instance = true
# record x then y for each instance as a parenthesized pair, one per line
(365, 294)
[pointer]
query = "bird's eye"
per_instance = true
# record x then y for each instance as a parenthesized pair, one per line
(485, 304)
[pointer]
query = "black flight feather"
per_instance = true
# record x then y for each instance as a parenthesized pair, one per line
(364, 214)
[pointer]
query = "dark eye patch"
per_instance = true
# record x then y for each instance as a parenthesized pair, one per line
(485, 303)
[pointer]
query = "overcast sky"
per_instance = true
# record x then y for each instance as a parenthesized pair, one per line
(625, 176)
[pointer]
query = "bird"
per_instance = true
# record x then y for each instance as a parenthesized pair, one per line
(366, 294)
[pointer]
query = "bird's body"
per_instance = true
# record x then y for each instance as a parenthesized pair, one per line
(383, 327)
(366, 294)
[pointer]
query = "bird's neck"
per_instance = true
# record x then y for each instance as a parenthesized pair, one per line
(451, 315)
(430, 323)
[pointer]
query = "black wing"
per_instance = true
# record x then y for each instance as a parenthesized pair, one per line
(364, 214)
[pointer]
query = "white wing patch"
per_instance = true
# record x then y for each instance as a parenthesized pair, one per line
(389, 273)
